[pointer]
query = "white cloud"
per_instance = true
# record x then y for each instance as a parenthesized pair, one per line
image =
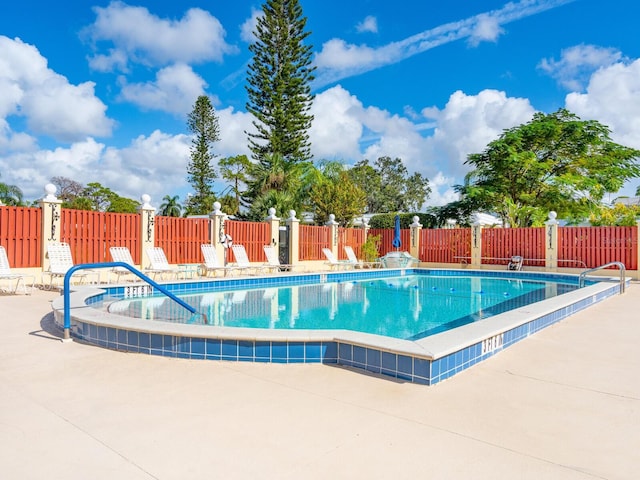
(174, 90)
(369, 24)
(338, 60)
(154, 164)
(31, 171)
(612, 99)
(336, 130)
(233, 139)
(578, 63)
(141, 37)
(11, 141)
(468, 123)
(46, 100)
(344, 129)
(486, 29)
(442, 191)
(249, 26)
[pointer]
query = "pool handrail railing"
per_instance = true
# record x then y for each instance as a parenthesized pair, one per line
(135, 271)
(620, 265)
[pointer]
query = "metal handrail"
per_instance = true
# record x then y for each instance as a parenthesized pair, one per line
(135, 271)
(620, 265)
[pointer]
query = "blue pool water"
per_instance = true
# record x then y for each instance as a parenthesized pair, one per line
(406, 307)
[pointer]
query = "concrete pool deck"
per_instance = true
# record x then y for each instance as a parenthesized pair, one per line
(562, 404)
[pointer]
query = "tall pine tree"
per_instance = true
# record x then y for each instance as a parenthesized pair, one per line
(203, 124)
(278, 83)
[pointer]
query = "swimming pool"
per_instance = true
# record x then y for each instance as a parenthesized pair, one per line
(406, 307)
(425, 360)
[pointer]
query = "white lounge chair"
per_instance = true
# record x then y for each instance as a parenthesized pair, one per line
(61, 260)
(273, 261)
(211, 263)
(121, 254)
(158, 264)
(357, 263)
(242, 260)
(7, 274)
(334, 263)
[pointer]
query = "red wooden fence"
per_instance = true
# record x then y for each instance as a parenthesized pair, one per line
(91, 234)
(500, 244)
(180, 238)
(253, 235)
(589, 247)
(445, 245)
(352, 237)
(312, 241)
(21, 234)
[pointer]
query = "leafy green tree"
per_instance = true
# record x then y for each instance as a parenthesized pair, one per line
(120, 204)
(389, 186)
(229, 204)
(619, 215)
(554, 162)
(98, 198)
(337, 194)
(278, 83)
(203, 124)
(281, 200)
(234, 170)
(79, 203)
(10, 194)
(638, 191)
(275, 173)
(387, 220)
(170, 206)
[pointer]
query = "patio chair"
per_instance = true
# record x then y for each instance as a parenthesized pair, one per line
(211, 261)
(7, 274)
(515, 263)
(158, 263)
(334, 263)
(121, 254)
(61, 260)
(273, 261)
(357, 263)
(242, 260)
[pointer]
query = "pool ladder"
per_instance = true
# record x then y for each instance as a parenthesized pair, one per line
(620, 265)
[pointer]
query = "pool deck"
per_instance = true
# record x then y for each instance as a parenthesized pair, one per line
(562, 404)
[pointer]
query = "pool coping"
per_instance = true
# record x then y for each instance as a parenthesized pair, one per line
(427, 360)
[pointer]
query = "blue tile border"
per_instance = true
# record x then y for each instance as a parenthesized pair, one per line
(395, 364)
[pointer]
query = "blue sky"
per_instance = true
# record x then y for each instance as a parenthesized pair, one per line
(99, 91)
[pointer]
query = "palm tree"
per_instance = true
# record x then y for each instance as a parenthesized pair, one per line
(170, 206)
(638, 191)
(10, 194)
(275, 173)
